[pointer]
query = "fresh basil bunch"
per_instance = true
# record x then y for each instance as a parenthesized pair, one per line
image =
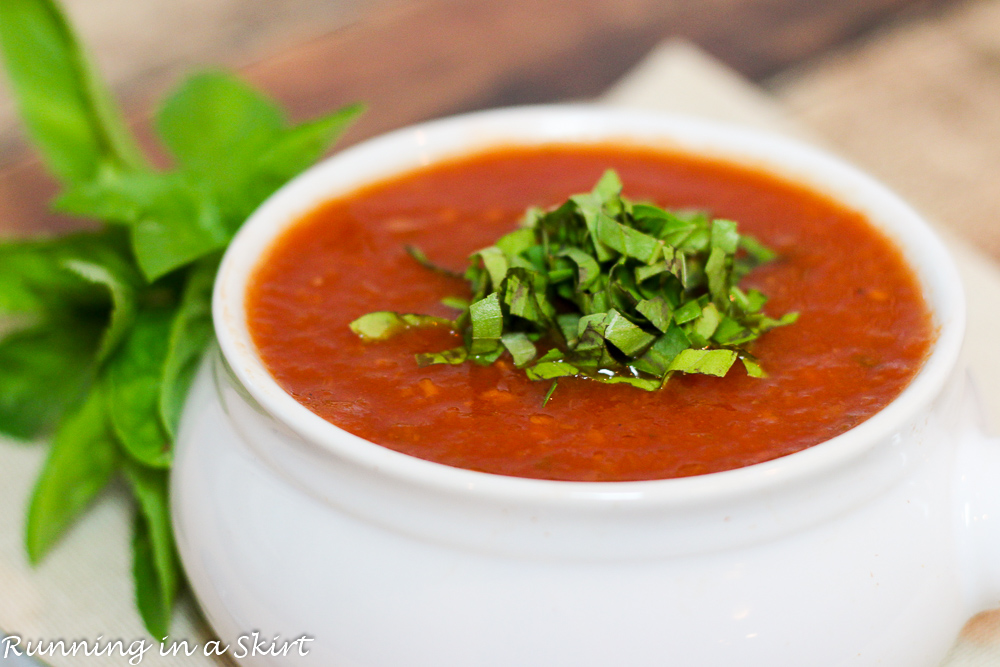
(109, 326)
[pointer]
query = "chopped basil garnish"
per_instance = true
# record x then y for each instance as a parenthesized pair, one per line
(386, 324)
(609, 289)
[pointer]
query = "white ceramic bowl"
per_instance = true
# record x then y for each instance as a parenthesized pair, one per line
(869, 549)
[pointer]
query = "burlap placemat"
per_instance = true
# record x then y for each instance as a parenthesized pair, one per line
(84, 588)
(918, 105)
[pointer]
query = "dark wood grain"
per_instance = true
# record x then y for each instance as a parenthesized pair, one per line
(426, 59)
(412, 60)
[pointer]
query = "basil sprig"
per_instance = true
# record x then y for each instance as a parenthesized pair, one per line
(106, 328)
(608, 289)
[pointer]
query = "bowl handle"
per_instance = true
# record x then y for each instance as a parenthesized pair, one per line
(978, 505)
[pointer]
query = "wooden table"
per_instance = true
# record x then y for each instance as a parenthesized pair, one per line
(411, 60)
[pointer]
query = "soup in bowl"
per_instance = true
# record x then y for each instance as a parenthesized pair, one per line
(466, 514)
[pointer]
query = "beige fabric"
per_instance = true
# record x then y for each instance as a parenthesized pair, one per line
(680, 78)
(84, 588)
(918, 106)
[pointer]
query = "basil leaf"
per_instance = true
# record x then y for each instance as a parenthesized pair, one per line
(768, 323)
(548, 394)
(66, 109)
(179, 217)
(385, 324)
(657, 311)
(626, 336)
(456, 302)
(788, 318)
(418, 254)
(524, 295)
(608, 187)
(687, 312)
(645, 272)
(706, 324)
(560, 275)
(598, 303)
(647, 384)
(151, 601)
(122, 283)
(43, 370)
(218, 128)
(173, 220)
(657, 359)
(755, 301)
(590, 331)
(32, 280)
(752, 366)
(34, 277)
(516, 242)
(731, 332)
(417, 320)
(495, 263)
(724, 236)
(747, 302)
(454, 356)
(590, 208)
(294, 150)
(487, 324)
(114, 197)
(155, 566)
(489, 356)
(626, 240)
(132, 383)
(547, 370)
(520, 347)
(698, 240)
(381, 325)
(756, 249)
(190, 332)
(708, 362)
(569, 327)
(177, 224)
(717, 274)
(81, 462)
(667, 226)
(234, 141)
(588, 270)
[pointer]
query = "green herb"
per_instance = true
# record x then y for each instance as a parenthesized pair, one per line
(83, 459)
(155, 567)
(109, 326)
(617, 291)
(552, 390)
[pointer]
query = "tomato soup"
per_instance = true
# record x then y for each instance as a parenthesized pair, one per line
(863, 332)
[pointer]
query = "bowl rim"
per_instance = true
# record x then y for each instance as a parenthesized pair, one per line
(560, 124)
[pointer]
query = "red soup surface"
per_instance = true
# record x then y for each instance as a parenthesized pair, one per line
(863, 331)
